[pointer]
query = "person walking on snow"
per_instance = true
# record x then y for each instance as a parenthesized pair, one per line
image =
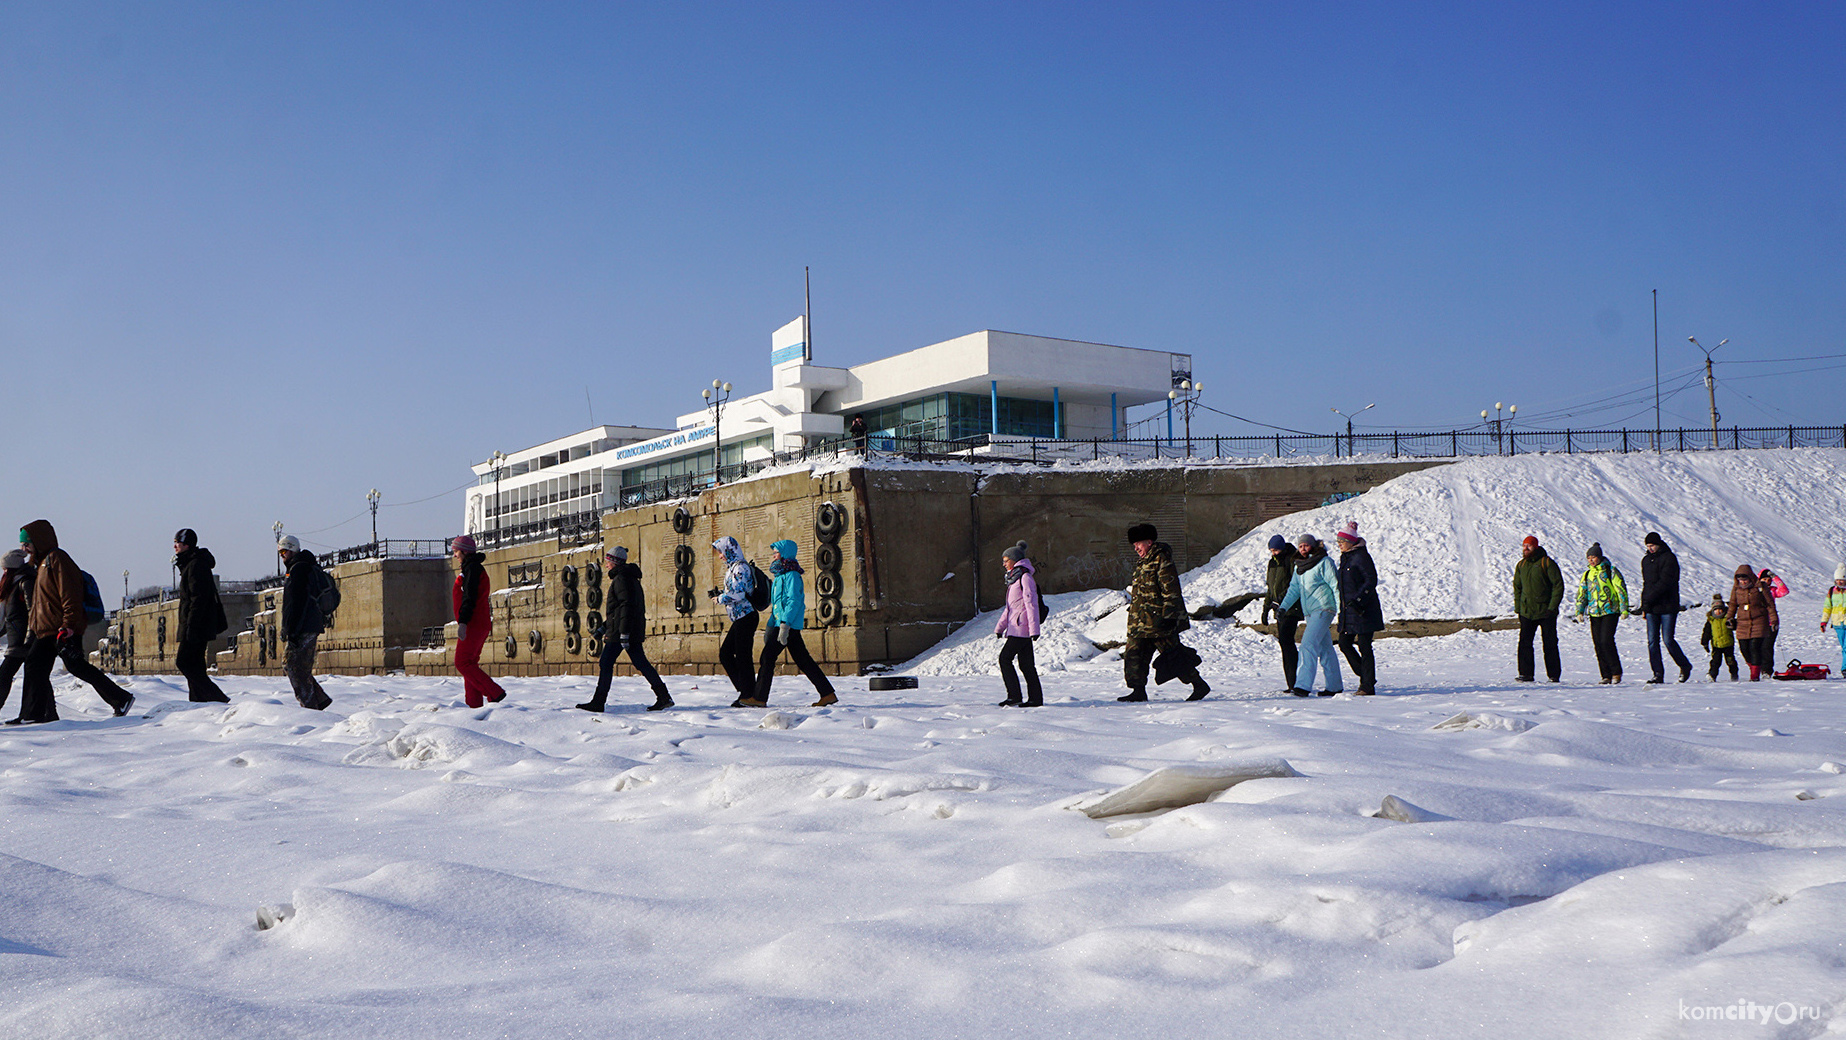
(201, 615)
(474, 621)
(1832, 615)
(1775, 589)
(302, 621)
(1660, 603)
(1017, 627)
(15, 600)
(1538, 591)
(1316, 586)
(1719, 637)
(788, 609)
(623, 631)
(55, 620)
(1281, 570)
(735, 596)
(1360, 613)
(1753, 616)
(1602, 595)
(1156, 617)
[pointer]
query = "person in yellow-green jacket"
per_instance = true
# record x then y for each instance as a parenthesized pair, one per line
(1833, 612)
(1602, 596)
(1718, 637)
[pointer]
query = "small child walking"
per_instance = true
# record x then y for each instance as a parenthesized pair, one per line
(1719, 638)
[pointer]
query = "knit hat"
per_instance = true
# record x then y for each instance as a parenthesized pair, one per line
(1530, 542)
(463, 544)
(1142, 533)
(1717, 599)
(1839, 573)
(1348, 532)
(288, 543)
(1653, 538)
(13, 560)
(618, 554)
(1014, 553)
(1595, 550)
(186, 536)
(1276, 541)
(1308, 540)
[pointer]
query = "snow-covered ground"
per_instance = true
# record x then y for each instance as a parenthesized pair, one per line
(1564, 860)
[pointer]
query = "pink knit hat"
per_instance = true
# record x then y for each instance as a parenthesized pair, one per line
(464, 544)
(1348, 532)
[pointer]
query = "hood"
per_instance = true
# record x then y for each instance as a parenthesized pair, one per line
(1745, 571)
(186, 558)
(786, 549)
(474, 559)
(42, 537)
(729, 549)
(14, 560)
(1026, 565)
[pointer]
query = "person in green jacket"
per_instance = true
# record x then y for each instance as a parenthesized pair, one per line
(1538, 591)
(1602, 595)
(1719, 638)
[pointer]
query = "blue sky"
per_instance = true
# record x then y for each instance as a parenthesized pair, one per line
(261, 258)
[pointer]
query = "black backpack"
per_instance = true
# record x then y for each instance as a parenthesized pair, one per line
(759, 591)
(1043, 610)
(327, 597)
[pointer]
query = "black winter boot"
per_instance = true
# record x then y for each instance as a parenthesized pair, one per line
(1134, 695)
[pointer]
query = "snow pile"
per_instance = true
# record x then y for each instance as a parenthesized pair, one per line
(1445, 539)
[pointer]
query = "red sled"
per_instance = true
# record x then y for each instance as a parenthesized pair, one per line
(1797, 670)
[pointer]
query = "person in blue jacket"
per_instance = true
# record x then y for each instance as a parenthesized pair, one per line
(788, 608)
(1317, 588)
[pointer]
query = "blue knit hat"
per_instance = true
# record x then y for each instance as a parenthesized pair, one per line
(1276, 541)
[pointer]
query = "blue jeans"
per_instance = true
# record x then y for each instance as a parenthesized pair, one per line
(1657, 626)
(1317, 647)
(1839, 633)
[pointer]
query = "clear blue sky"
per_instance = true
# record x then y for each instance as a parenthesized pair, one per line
(259, 258)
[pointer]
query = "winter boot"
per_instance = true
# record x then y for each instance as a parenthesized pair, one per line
(597, 705)
(1033, 702)
(1199, 689)
(1009, 703)
(825, 699)
(661, 703)
(1299, 692)
(1136, 694)
(1756, 673)
(1685, 672)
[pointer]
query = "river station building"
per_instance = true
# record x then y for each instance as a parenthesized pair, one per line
(980, 390)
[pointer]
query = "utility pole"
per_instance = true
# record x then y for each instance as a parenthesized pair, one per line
(1656, 293)
(1711, 385)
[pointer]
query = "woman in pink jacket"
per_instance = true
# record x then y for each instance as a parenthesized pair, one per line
(1018, 626)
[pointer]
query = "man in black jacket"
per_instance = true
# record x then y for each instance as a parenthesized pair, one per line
(15, 592)
(1281, 571)
(201, 614)
(1660, 602)
(623, 631)
(302, 621)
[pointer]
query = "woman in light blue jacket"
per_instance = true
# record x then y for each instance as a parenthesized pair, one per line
(1316, 586)
(788, 608)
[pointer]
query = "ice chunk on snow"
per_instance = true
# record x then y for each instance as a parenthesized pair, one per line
(1174, 786)
(1395, 808)
(1483, 720)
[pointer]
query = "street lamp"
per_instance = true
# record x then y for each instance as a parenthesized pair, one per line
(1336, 411)
(1513, 410)
(1711, 386)
(276, 531)
(1187, 395)
(715, 397)
(372, 497)
(498, 458)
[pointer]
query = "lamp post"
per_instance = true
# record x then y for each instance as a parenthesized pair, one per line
(1711, 386)
(371, 498)
(276, 532)
(715, 397)
(1499, 448)
(1187, 394)
(498, 458)
(1348, 418)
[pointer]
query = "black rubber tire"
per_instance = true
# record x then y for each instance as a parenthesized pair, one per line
(536, 640)
(682, 556)
(570, 598)
(682, 601)
(827, 584)
(829, 521)
(830, 612)
(682, 521)
(512, 646)
(891, 682)
(682, 580)
(572, 622)
(593, 599)
(573, 643)
(569, 574)
(827, 556)
(594, 646)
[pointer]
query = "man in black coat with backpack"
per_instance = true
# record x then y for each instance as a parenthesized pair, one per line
(302, 621)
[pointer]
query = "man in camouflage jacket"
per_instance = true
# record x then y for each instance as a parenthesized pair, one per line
(1156, 617)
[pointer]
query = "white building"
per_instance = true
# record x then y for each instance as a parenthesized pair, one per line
(982, 388)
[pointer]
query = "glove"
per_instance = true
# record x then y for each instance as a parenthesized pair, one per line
(624, 642)
(64, 635)
(461, 631)
(1634, 611)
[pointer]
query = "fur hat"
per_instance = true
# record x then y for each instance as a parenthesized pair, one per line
(288, 543)
(1142, 533)
(186, 536)
(618, 554)
(1014, 553)
(1276, 542)
(463, 544)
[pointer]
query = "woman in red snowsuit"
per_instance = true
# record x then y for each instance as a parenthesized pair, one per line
(475, 618)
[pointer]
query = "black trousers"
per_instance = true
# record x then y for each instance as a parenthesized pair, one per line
(1357, 648)
(1285, 638)
(1547, 628)
(605, 674)
(298, 665)
(36, 702)
(1020, 648)
(191, 663)
(1766, 656)
(734, 654)
(1751, 650)
(1602, 636)
(798, 653)
(1725, 654)
(1139, 653)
